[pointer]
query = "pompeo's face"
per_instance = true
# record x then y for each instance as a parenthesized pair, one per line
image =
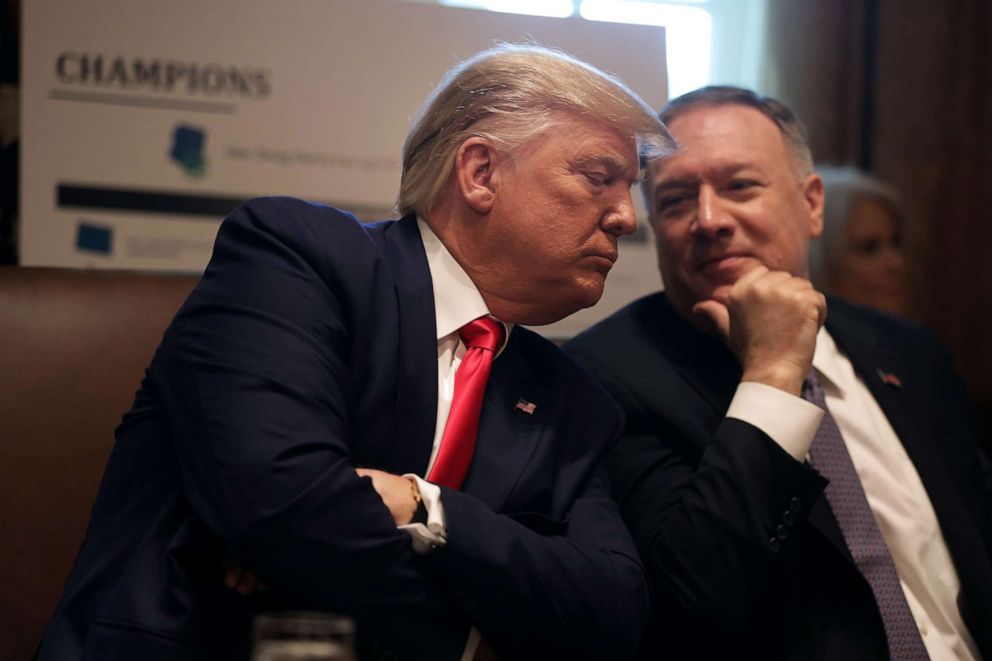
(727, 201)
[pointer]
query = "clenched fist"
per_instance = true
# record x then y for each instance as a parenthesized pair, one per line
(770, 322)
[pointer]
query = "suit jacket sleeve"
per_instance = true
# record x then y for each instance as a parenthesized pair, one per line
(257, 374)
(703, 495)
(255, 381)
(541, 588)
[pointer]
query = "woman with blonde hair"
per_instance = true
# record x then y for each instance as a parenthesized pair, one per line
(859, 257)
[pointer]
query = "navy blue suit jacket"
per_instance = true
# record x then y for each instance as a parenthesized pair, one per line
(307, 349)
(705, 495)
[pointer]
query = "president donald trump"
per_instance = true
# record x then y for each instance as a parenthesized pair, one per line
(353, 414)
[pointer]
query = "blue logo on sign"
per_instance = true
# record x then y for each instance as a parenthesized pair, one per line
(187, 149)
(94, 238)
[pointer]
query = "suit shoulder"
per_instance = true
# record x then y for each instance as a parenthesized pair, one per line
(313, 231)
(624, 348)
(620, 327)
(900, 330)
(540, 351)
(284, 213)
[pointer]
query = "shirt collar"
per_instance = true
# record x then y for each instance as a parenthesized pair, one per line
(825, 360)
(457, 301)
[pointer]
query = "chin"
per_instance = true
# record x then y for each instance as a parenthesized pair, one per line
(720, 293)
(588, 296)
(563, 306)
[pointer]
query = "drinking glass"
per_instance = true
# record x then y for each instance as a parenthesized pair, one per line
(303, 636)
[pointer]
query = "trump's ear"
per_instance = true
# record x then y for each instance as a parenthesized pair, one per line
(474, 164)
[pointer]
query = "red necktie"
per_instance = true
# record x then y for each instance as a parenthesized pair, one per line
(482, 338)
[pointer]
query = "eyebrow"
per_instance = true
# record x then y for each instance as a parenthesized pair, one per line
(615, 164)
(722, 172)
(681, 182)
(607, 158)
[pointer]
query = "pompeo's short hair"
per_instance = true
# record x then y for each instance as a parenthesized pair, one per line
(788, 123)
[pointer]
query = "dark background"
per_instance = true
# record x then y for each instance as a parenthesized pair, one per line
(903, 88)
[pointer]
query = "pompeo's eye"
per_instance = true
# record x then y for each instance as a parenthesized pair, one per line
(671, 203)
(741, 184)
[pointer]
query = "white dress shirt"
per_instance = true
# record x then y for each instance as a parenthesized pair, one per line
(457, 301)
(891, 484)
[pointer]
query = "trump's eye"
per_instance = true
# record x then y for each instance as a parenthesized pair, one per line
(597, 178)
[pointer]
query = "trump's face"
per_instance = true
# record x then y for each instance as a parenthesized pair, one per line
(728, 200)
(561, 202)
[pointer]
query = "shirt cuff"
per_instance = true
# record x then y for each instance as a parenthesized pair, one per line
(472, 645)
(788, 420)
(432, 535)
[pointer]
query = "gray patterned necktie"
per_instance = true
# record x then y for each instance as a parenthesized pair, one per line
(850, 507)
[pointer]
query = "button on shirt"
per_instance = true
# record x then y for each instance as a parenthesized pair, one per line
(891, 484)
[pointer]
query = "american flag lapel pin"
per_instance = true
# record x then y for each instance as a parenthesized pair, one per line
(525, 406)
(888, 378)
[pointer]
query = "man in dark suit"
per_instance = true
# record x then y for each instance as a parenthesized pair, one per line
(292, 423)
(721, 472)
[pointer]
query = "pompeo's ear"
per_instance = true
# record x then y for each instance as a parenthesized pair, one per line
(474, 165)
(812, 188)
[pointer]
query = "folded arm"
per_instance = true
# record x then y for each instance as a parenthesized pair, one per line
(256, 376)
(255, 380)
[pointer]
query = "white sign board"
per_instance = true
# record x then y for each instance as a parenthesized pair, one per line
(144, 123)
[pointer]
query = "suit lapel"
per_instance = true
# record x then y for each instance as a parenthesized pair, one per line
(871, 358)
(869, 352)
(508, 434)
(416, 390)
(703, 362)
